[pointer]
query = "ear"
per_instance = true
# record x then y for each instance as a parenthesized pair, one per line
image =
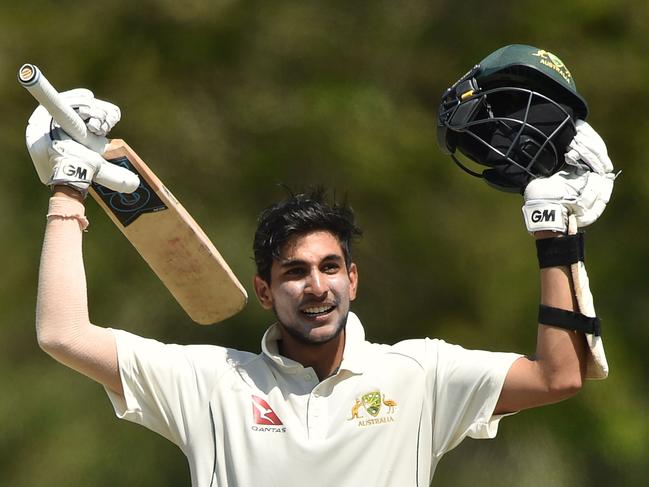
(353, 281)
(262, 290)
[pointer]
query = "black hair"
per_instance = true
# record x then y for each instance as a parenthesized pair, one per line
(297, 215)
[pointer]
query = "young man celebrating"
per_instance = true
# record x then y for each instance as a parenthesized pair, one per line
(319, 404)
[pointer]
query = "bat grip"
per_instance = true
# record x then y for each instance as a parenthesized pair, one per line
(40, 88)
(110, 175)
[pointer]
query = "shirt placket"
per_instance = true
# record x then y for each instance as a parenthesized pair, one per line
(316, 408)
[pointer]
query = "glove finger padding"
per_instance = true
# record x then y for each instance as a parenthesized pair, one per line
(587, 147)
(592, 199)
(100, 116)
(77, 96)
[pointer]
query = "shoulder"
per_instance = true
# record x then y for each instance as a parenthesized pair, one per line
(430, 353)
(422, 352)
(198, 356)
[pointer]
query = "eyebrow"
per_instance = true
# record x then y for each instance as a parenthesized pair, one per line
(293, 262)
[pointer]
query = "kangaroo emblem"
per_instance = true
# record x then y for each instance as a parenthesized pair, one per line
(355, 408)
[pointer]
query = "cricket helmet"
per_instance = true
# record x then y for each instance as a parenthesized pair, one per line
(515, 113)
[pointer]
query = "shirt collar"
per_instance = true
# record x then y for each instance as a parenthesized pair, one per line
(354, 343)
(352, 355)
(270, 349)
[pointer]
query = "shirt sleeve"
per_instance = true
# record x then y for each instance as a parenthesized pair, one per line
(166, 387)
(466, 388)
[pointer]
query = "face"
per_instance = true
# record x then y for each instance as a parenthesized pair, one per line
(310, 288)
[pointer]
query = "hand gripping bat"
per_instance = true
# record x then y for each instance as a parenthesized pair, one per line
(151, 218)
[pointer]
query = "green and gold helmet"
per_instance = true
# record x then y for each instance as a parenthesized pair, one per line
(513, 112)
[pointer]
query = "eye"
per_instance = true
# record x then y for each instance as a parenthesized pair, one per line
(294, 271)
(331, 268)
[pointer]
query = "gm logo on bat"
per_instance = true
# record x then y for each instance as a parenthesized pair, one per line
(543, 216)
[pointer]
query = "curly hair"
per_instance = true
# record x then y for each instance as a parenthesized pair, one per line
(297, 215)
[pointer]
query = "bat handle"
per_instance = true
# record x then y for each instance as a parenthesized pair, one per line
(112, 176)
(40, 88)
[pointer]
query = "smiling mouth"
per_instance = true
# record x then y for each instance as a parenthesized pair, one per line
(314, 311)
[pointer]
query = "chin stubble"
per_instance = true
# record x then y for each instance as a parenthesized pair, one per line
(342, 323)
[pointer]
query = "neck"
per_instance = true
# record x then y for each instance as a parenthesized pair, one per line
(324, 358)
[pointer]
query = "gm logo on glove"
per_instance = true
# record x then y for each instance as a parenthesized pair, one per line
(80, 172)
(66, 173)
(544, 216)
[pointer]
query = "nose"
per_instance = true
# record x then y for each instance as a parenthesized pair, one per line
(316, 284)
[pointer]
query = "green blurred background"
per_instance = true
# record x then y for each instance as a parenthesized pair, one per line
(226, 99)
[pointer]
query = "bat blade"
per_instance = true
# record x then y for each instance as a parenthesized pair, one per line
(171, 242)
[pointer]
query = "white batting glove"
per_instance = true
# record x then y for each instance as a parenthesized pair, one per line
(582, 189)
(73, 164)
(587, 147)
(549, 201)
(100, 117)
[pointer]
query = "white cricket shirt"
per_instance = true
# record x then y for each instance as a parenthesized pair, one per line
(243, 419)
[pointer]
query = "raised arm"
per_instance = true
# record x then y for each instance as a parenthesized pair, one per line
(569, 348)
(62, 325)
(557, 369)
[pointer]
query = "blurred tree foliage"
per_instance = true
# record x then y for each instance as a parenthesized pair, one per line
(226, 99)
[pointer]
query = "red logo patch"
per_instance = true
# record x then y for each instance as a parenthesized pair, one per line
(263, 413)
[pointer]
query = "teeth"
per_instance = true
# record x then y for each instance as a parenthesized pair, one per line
(317, 309)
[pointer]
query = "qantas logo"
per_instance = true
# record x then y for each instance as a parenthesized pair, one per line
(263, 413)
(264, 417)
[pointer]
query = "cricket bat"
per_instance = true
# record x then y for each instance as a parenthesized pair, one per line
(152, 219)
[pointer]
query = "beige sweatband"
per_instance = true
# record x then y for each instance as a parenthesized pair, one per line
(68, 208)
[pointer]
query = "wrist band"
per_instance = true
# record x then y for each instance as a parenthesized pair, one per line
(569, 320)
(560, 251)
(67, 208)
